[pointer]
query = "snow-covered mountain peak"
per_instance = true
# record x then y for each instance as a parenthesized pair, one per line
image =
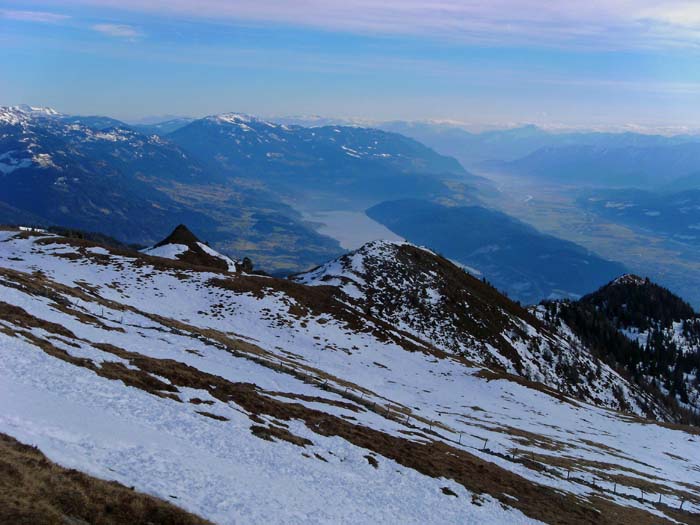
(244, 121)
(12, 116)
(17, 114)
(349, 272)
(183, 245)
(37, 110)
(233, 118)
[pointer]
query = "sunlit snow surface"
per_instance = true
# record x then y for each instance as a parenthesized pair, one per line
(219, 470)
(174, 251)
(167, 251)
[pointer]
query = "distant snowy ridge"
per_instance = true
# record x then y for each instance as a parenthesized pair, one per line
(15, 115)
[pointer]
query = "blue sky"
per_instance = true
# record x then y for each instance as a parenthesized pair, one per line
(614, 63)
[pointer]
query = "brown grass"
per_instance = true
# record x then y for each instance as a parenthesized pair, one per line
(217, 417)
(273, 432)
(35, 491)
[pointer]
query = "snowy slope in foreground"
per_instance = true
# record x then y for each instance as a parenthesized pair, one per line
(233, 397)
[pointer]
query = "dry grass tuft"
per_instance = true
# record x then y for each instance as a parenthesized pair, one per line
(273, 431)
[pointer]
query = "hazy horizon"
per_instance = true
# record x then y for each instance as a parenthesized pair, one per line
(603, 65)
(364, 121)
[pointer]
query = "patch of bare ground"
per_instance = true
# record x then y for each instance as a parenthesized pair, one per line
(602, 446)
(33, 491)
(197, 401)
(526, 438)
(272, 432)
(212, 416)
(674, 456)
(372, 460)
(675, 426)
(37, 284)
(315, 399)
(614, 452)
(19, 317)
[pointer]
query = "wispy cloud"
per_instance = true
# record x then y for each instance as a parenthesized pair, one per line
(590, 23)
(42, 17)
(117, 30)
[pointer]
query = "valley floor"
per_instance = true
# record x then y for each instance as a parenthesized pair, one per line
(552, 209)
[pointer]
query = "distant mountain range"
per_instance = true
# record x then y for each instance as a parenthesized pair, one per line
(512, 144)
(592, 158)
(527, 265)
(230, 176)
(63, 171)
(237, 180)
(331, 166)
(606, 165)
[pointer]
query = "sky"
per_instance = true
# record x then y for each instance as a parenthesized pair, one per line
(631, 64)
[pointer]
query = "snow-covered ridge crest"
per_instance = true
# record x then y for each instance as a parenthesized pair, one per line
(37, 110)
(347, 271)
(233, 118)
(243, 121)
(14, 115)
